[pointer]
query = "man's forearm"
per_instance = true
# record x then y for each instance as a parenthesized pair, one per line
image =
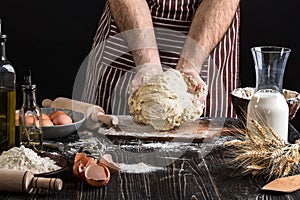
(134, 21)
(210, 23)
(130, 14)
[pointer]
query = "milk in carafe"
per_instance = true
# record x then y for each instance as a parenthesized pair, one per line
(270, 109)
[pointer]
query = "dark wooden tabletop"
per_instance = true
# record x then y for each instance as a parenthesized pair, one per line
(166, 169)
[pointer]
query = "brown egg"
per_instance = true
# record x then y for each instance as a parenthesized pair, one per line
(17, 116)
(45, 116)
(29, 120)
(55, 113)
(97, 175)
(47, 122)
(62, 119)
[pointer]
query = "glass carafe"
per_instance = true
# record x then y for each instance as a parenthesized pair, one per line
(268, 105)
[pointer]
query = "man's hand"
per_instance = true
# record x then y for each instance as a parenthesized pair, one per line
(143, 74)
(200, 87)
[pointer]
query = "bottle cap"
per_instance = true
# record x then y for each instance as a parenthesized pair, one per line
(27, 81)
(27, 77)
(2, 36)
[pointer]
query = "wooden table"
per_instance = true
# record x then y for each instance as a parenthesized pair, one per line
(163, 169)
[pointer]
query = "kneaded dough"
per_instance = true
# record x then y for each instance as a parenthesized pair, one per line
(164, 101)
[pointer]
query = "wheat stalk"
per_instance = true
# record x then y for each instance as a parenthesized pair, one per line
(263, 152)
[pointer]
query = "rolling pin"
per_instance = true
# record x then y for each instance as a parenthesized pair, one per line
(95, 115)
(13, 180)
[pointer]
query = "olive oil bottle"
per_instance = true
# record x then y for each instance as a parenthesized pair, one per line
(30, 123)
(7, 99)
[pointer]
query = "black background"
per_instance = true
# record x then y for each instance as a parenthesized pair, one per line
(54, 37)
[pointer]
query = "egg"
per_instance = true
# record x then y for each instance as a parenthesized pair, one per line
(17, 116)
(97, 175)
(47, 122)
(30, 120)
(45, 116)
(55, 113)
(62, 119)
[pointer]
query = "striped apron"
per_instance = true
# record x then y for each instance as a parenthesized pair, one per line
(110, 67)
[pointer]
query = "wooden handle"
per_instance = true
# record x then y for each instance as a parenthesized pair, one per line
(97, 119)
(109, 120)
(47, 183)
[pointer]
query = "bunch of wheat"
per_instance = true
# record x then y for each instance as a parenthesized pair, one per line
(260, 151)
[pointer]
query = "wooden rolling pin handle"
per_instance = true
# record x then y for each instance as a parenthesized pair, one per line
(109, 120)
(102, 118)
(47, 183)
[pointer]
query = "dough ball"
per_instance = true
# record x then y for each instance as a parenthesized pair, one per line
(165, 101)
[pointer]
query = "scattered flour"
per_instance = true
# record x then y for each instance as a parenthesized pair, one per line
(23, 158)
(138, 168)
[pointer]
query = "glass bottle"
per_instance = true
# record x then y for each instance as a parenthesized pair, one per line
(31, 133)
(7, 99)
(268, 105)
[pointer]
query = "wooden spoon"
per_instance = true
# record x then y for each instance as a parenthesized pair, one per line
(286, 184)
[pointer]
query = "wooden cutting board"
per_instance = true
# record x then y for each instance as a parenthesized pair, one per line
(198, 131)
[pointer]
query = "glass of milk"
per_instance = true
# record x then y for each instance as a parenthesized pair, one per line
(268, 105)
